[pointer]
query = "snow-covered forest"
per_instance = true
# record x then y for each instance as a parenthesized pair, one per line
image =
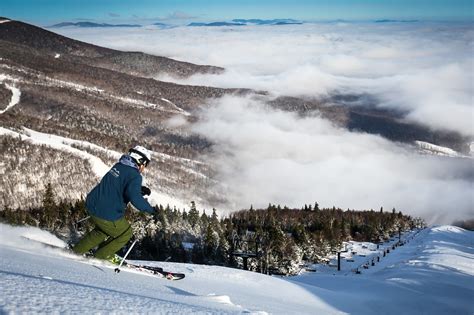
(278, 239)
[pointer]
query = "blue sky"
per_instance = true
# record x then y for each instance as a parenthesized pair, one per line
(49, 11)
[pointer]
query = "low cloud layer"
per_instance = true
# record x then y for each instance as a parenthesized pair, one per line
(262, 155)
(425, 69)
(266, 156)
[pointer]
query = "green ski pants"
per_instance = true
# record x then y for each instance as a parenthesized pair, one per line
(110, 236)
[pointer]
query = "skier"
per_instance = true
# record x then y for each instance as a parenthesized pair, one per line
(107, 201)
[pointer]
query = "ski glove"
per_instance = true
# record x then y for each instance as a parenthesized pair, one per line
(146, 191)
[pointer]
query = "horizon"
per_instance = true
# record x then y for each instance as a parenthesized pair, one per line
(50, 12)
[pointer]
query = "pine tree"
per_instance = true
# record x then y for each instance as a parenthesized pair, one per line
(214, 219)
(211, 243)
(49, 207)
(204, 220)
(193, 215)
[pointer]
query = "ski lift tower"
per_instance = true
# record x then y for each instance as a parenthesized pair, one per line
(246, 246)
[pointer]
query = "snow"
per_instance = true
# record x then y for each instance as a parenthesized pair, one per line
(179, 109)
(15, 94)
(48, 81)
(430, 148)
(57, 56)
(431, 274)
(4, 21)
(98, 167)
(38, 279)
(59, 143)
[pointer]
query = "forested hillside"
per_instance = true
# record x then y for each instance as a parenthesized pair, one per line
(274, 240)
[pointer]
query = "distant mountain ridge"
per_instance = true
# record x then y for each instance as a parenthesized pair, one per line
(91, 24)
(244, 22)
(268, 22)
(234, 22)
(216, 24)
(395, 21)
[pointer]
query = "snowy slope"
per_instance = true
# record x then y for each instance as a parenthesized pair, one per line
(429, 148)
(16, 93)
(432, 274)
(98, 167)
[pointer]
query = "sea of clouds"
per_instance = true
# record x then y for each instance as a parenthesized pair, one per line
(263, 155)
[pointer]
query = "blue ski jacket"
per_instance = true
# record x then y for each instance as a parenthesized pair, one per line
(121, 185)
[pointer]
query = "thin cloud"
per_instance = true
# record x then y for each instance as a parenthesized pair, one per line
(179, 15)
(82, 19)
(111, 14)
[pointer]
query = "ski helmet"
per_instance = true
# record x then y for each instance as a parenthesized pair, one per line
(141, 155)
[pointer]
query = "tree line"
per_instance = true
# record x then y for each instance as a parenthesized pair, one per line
(275, 240)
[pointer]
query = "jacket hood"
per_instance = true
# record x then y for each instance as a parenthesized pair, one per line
(128, 161)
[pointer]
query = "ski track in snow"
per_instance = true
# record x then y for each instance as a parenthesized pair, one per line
(95, 90)
(50, 139)
(179, 109)
(99, 168)
(431, 274)
(430, 148)
(52, 82)
(15, 93)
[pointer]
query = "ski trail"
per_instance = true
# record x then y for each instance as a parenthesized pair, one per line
(179, 109)
(16, 93)
(98, 167)
(44, 80)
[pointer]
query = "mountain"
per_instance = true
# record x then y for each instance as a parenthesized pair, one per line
(395, 21)
(359, 113)
(163, 25)
(431, 273)
(243, 22)
(78, 107)
(91, 24)
(215, 24)
(268, 22)
(47, 43)
(101, 101)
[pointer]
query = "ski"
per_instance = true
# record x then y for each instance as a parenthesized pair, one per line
(155, 271)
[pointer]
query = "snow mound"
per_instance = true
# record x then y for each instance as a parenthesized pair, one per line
(448, 228)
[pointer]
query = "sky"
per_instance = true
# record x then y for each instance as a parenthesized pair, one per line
(44, 12)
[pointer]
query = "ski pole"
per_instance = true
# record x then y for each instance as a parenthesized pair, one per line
(76, 224)
(82, 220)
(117, 270)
